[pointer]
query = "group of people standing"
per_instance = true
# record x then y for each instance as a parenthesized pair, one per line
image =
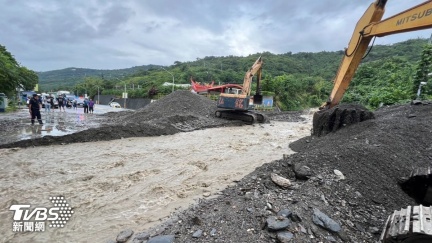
(48, 102)
(88, 105)
(35, 105)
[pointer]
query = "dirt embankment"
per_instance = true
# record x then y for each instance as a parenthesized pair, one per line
(372, 156)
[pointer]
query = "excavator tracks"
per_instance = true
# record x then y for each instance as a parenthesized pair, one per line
(408, 225)
(248, 117)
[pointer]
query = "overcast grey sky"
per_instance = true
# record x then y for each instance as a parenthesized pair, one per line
(106, 34)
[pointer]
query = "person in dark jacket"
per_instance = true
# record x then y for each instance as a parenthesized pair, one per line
(91, 106)
(85, 105)
(61, 103)
(34, 109)
(52, 102)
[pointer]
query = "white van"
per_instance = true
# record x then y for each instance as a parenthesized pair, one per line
(62, 92)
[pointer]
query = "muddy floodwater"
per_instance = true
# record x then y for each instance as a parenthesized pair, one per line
(134, 182)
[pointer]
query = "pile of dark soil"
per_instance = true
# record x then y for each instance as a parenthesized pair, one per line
(372, 155)
(181, 111)
(179, 103)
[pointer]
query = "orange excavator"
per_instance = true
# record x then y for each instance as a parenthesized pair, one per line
(411, 224)
(234, 104)
(331, 116)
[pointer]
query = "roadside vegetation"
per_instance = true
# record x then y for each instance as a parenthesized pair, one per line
(390, 74)
(13, 75)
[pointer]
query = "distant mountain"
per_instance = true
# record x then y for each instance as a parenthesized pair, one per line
(70, 76)
(231, 69)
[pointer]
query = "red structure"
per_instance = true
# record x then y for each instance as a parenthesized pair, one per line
(210, 88)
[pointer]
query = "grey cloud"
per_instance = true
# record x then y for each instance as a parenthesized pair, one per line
(51, 34)
(151, 26)
(113, 18)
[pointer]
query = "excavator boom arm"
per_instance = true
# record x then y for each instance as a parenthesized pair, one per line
(415, 18)
(369, 26)
(254, 70)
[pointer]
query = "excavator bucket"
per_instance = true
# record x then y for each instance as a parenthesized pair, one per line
(257, 99)
(330, 120)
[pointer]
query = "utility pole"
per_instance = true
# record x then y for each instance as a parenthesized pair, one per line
(124, 97)
(98, 95)
(172, 78)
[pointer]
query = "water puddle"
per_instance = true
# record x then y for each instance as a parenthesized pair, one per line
(54, 124)
(16, 126)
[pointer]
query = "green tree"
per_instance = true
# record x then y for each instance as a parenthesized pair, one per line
(12, 75)
(383, 82)
(28, 78)
(90, 86)
(422, 70)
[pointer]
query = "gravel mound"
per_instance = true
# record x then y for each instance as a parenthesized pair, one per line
(179, 103)
(344, 186)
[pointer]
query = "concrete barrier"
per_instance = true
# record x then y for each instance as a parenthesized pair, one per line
(104, 99)
(133, 103)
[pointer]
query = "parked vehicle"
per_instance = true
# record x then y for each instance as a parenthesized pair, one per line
(79, 101)
(115, 105)
(25, 95)
(70, 97)
(62, 92)
(55, 101)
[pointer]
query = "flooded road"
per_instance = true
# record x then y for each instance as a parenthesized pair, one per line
(56, 123)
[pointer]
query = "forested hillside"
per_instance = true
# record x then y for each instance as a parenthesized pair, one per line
(68, 77)
(296, 81)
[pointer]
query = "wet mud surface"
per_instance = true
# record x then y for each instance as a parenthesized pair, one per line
(15, 127)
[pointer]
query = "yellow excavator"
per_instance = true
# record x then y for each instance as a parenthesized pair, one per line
(411, 224)
(331, 116)
(234, 103)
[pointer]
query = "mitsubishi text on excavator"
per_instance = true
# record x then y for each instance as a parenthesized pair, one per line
(235, 104)
(331, 117)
